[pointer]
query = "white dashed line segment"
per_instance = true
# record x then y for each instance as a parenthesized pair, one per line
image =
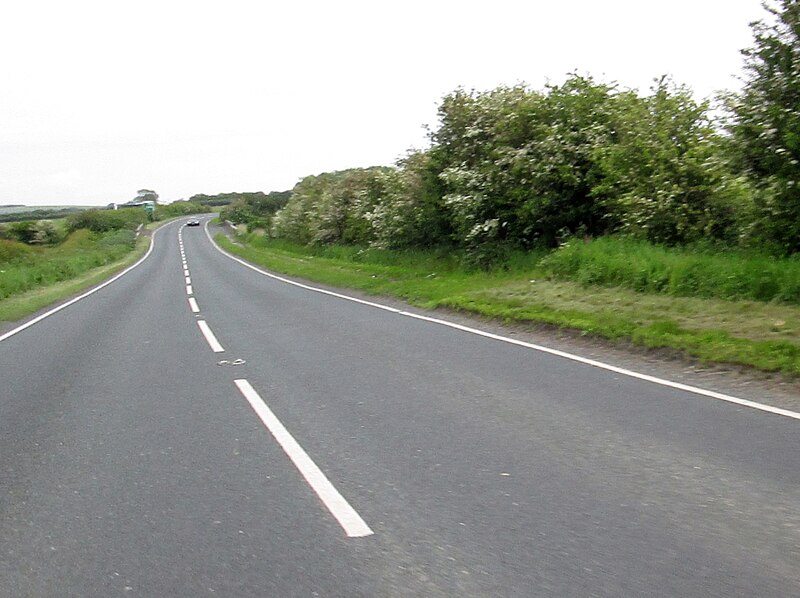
(209, 336)
(352, 523)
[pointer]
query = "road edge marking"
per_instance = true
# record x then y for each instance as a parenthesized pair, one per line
(555, 352)
(352, 523)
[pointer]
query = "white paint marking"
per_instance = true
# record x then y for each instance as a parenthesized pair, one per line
(188, 280)
(189, 290)
(591, 362)
(193, 305)
(352, 523)
(92, 291)
(598, 364)
(210, 338)
(186, 272)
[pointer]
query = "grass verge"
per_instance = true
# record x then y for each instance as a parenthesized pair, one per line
(24, 304)
(749, 333)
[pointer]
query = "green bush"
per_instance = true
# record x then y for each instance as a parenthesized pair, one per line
(180, 208)
(25, 268)
(101, 221)
(12, 250)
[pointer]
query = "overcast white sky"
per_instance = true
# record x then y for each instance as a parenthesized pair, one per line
(99, 98)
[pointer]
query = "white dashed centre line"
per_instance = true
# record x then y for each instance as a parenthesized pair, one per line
(352, 523)
(189, 290)
(210, 338)
(193, 305)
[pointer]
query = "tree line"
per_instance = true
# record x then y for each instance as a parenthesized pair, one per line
(516, 168)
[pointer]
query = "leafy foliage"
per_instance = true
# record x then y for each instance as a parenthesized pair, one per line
(146, 195)
(258, 199)
(519, 165)
(41, 232)
(766, 126)
(101, 221)
(411, 212)
(179, 208)
(335, 207)
(254, 209)
(664, 175)
(515, 168)
(25, 268)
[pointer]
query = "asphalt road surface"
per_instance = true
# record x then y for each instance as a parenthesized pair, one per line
(301, 444)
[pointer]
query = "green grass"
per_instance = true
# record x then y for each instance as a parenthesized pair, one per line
(744, 332)
(43, 266)
(22, 305)
(33, 277)
(639, 266)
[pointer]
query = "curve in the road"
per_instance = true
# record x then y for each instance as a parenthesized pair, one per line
(577, 358)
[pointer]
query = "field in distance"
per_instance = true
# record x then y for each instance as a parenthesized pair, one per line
(16, 208)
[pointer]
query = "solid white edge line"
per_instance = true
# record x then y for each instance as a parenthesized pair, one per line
(209, 336)
(91, 291)
(193, 305)
(298, 284)
(598, 364)
(591, 362)
(352, 523)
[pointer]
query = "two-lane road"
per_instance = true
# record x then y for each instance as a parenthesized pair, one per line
(199, 428)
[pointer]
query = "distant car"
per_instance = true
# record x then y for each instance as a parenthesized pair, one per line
(193, 222)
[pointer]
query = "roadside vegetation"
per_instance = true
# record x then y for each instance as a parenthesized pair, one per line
(757, 334)
(651, 217)
(43, 261)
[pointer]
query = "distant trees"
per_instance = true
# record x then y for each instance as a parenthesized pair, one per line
(102, 221)
(146, 195)
(253, 208)
(33, 232)
(258, 200)
(38, 214)
(334, 207)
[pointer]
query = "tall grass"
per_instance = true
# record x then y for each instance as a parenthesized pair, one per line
(640, 266)
(438, 259)
(25, 268)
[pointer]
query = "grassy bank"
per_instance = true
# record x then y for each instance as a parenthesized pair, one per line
(32, 278)
(681, 272)
(745, 332)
